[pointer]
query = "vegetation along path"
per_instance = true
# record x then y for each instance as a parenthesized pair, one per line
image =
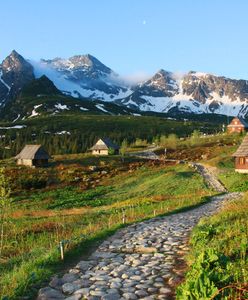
(141, 261)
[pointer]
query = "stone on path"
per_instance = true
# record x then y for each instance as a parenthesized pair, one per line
(141, 261)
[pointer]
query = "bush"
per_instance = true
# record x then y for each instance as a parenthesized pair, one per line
(140, 143)
(32, 183)
(124, 146)
(195, 138)
(170, 142)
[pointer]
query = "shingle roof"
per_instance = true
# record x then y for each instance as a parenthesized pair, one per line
(33, 152)
(104, 144)
(243, 148)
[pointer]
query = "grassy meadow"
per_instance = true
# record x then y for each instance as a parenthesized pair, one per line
(69, 201)
(81, 199)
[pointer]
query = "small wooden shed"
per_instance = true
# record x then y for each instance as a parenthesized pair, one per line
(104, 146)
(237, 125)
(33, 156)
(241, 157)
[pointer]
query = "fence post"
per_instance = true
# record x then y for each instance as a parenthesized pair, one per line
(61, 246)
(123, 217)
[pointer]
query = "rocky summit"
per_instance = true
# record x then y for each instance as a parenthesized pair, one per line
(15, 72)
(84, 76)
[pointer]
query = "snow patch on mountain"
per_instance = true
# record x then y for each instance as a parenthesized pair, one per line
(101, 107)
(3, 82)
(63, 132)
(14, 127)
(34, 113)
(17, 118)
(59, 80)
(61, 107)
(83, 108)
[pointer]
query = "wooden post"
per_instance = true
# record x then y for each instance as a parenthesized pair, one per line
(61, 246)
(123, 217)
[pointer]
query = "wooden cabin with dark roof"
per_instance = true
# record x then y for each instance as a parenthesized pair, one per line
(237, 125)
(33, 156)
(241, 157)
(105, 147)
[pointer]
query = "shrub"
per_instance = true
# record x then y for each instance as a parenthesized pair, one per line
(172, 141)
(111, 151)
(205, 274)
(195, 138)
(32, 183)
(124, 146)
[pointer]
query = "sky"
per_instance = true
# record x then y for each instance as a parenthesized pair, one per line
(132, 37)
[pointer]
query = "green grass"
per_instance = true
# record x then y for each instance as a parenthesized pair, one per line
(218, 254)
(233, 181)
(145, 182)
(42, 220)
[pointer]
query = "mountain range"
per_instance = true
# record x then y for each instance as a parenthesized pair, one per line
(83, 79)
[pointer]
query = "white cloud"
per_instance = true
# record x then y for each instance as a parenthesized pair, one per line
(178, 75)
(136, 77)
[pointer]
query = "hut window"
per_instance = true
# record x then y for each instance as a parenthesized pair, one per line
(241, 161)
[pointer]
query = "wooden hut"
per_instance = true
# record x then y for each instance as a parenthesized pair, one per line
(33, 156)
(241, 157)
(237, 125)
(105, 147)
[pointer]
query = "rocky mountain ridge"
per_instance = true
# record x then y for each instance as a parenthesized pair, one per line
(84, 76)
(15, 73)
(193, 92)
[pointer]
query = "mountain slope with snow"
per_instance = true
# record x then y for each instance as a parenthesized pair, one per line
(192, 93)
(85, 77)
